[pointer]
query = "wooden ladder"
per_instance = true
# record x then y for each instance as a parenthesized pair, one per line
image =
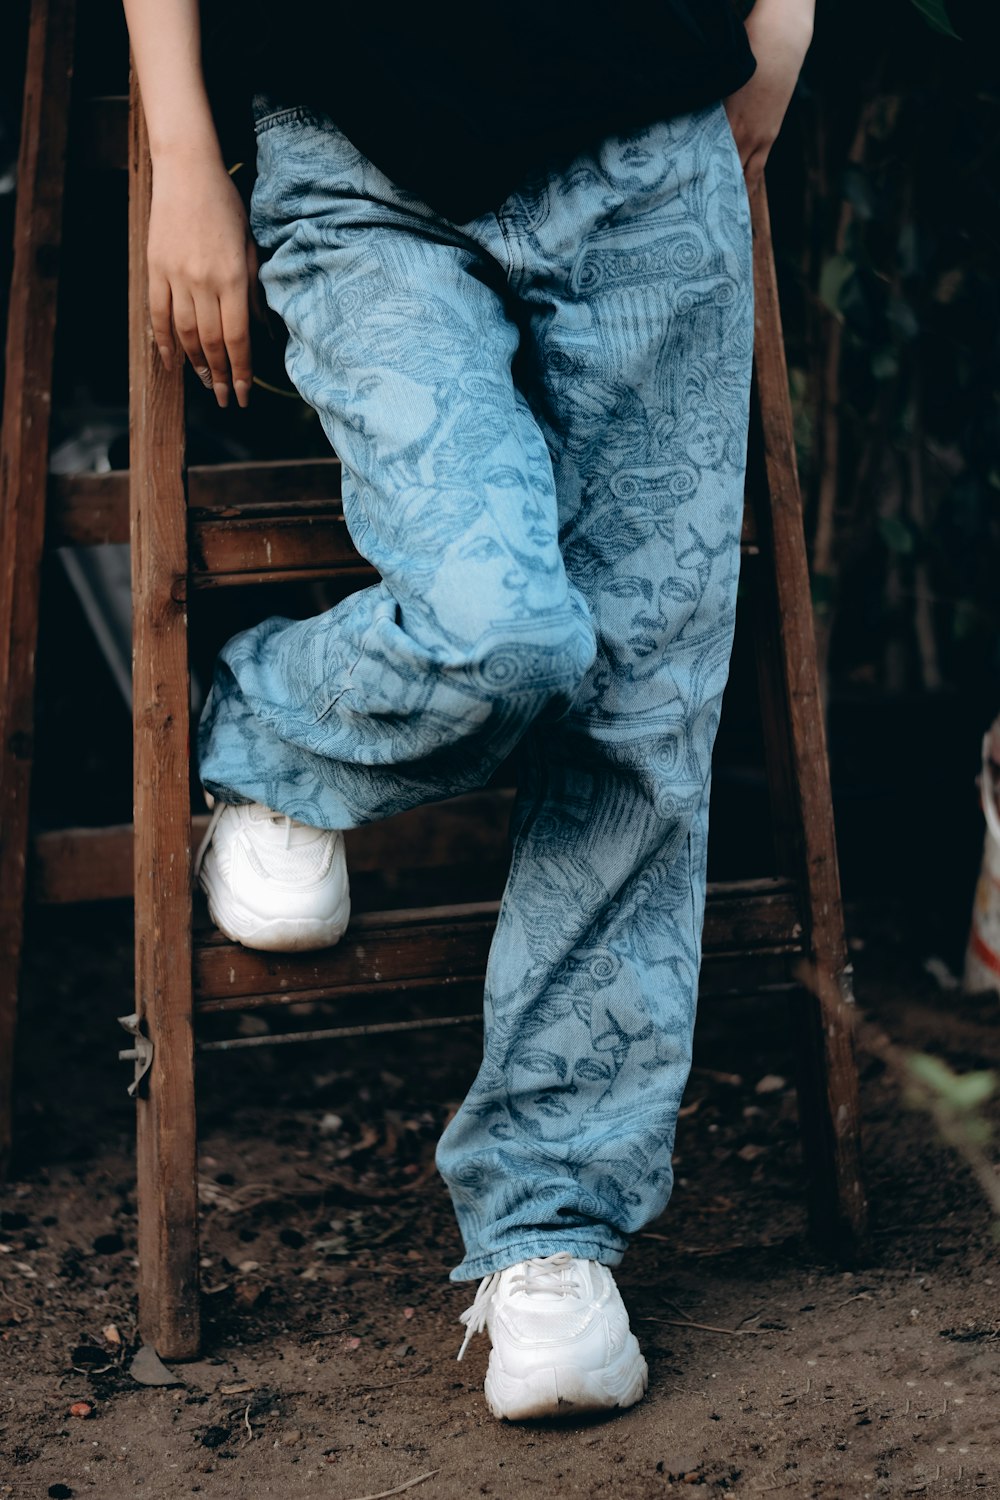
(193, 528)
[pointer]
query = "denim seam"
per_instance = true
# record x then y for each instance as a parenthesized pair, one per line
(293, 114)
(524, 827)
(353, 668)
(483, 1265)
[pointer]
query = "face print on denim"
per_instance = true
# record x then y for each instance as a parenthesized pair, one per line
(541, 417)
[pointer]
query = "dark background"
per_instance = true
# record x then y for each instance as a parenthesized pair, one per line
(883, 190)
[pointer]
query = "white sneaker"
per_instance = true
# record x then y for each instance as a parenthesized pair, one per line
(561, 1340)
(272, 882)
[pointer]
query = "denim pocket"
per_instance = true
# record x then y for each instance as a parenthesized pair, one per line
(289, 114)
(296, 147)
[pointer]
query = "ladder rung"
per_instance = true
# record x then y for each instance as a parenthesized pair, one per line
(96, 864)
(412, 949)
(276, 521)
(381, 950)
(90, 509)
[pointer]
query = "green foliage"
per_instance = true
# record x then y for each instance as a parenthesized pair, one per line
(896, 241)
(961, 1092)
(898, 537)
(836, 273)
(955, 1099)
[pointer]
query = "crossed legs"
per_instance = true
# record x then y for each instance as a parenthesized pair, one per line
(542, 422)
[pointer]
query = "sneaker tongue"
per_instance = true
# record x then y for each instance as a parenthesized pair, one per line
(272, 828)
(543, 1295)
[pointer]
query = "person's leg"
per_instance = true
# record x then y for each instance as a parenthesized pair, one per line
(416, 688)
(635, 267)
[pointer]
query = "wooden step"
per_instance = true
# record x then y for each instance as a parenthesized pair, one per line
(394, 949)
(444, 945)
(276, 521)
(96, 864)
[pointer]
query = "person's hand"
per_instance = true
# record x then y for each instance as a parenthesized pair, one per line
(779, 32)
(202, 265)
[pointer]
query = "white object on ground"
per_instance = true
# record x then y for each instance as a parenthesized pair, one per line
(561, 1339)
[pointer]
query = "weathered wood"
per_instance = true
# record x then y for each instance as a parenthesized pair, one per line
(748, 918)
(24, 454)
(70, 865)
(167, 1196)
(87, 510)
(725, 977)
(394, 950)
(260, 519)
(795, 745)
(447, 944)
(339, 1033)
(251, 544)
(96, 864)
(356, 575)
(272, 484)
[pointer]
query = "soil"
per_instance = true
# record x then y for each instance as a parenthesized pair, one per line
(331, 1328)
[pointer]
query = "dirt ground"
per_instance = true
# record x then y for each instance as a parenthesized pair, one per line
(331, 1328)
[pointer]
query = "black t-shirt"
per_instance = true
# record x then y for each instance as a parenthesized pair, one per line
(456, 102)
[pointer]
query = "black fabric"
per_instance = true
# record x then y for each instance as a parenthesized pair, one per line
(457, 102)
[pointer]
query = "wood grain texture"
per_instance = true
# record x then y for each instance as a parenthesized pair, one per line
(407, 949)
(795, 745)
(96, 864)
(260, 519)
(24, 454)
(167, 1197)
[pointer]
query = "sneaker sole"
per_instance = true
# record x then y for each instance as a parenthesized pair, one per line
(564, 1391)
(271, 935)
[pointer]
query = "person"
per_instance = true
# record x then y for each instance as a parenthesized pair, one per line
(512, 251)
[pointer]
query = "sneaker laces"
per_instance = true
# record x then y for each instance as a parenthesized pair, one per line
(541, 1273)
(217, 812)
(269, 816)
(278, 817)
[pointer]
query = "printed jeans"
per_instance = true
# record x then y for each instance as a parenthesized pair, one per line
(542, 420)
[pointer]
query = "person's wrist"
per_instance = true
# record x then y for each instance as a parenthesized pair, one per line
(186, 153)
(190, 140)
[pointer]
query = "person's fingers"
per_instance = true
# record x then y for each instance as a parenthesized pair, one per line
(186, 323)
(159, 317)
(213, 343)
(234, 309)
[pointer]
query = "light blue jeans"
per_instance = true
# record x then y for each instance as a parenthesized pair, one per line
(542, 420)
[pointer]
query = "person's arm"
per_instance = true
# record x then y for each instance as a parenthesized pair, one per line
(779, 32)
(202, 260)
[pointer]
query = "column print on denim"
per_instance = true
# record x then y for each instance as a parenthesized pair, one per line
(542, 419)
